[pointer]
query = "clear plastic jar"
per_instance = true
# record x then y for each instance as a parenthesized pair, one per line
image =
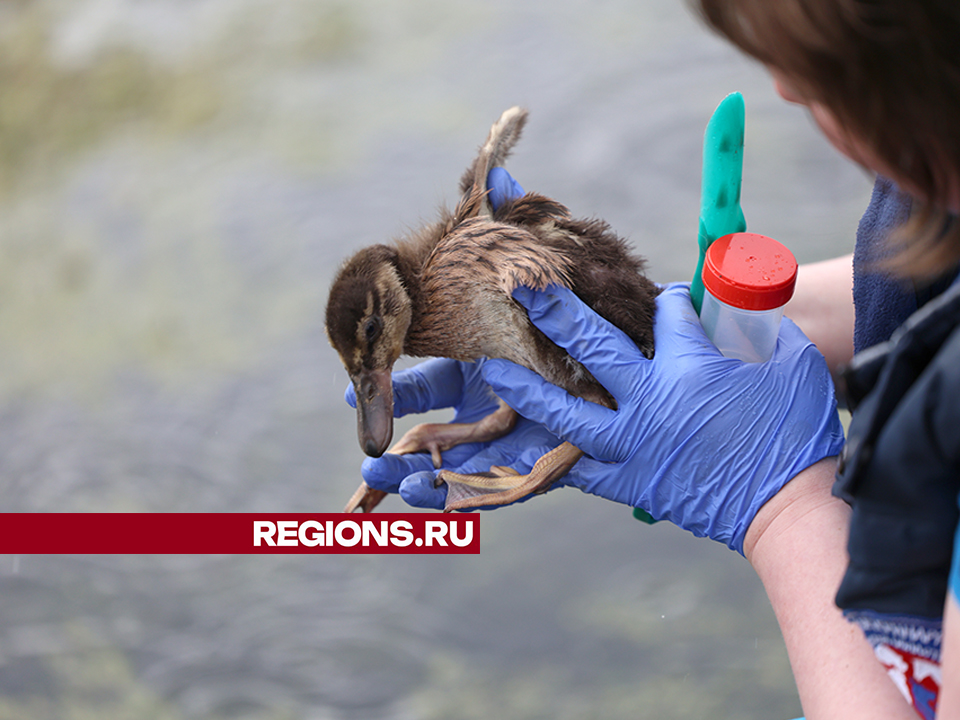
(747, 279)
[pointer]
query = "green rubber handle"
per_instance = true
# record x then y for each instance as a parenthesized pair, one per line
(720, 212)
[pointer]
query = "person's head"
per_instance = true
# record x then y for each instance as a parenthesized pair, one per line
(882, 80)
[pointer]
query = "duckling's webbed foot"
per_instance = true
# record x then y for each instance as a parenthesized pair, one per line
(437, 437)
(503, 485)
(365, 499)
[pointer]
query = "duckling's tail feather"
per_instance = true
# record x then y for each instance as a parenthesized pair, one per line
(494, 152)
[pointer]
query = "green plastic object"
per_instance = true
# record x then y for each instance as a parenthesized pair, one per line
(643, 516)
(720, 212)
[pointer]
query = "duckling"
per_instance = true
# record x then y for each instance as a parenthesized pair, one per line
(446, 290)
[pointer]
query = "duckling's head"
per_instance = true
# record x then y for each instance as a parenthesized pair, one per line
(368, 314)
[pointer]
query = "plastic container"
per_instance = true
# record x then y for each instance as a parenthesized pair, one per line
(747, 279)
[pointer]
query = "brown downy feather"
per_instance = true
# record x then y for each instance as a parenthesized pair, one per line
(445, 291)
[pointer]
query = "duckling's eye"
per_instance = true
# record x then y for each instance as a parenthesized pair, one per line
(371, 330)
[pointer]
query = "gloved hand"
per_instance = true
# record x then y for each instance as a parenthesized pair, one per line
(698, 439)
(502, 187)
(443, 383)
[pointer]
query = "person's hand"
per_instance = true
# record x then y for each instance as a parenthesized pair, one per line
(698, 439)
(502, 187)
(443, 383)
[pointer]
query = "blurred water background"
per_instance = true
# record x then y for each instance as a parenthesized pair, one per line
(178, 181)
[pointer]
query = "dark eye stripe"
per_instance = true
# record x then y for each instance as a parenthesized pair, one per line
(372, 329)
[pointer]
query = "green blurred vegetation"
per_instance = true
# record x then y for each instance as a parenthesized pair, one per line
(99, 684)
(49, 112)
(82, 296)
(682, 678)
(95, 684)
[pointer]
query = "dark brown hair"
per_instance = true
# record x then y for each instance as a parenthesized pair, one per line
(889, 72)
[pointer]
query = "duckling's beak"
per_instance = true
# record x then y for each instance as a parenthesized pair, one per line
(374, 411)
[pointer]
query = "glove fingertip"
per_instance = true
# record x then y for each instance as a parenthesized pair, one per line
(524, 295)
(495, 368)
(792, 333)
(539, 303)
(386, 472)
(419, 490)
(350, 396)
(408, 399)
(433, 384)
(510, 382)
(502, 187)
(502, 375)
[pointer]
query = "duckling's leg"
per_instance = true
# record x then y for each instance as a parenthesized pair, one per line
(435, 438)
(503, 485)
(365, 499)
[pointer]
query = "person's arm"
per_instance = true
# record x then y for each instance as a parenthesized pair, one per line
(822, 305)
(797, 546)
(949, 697)
(949, 702)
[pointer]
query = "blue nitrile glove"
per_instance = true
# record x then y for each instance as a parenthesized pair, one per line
(502, 187)
(443, 383)
(699, 439)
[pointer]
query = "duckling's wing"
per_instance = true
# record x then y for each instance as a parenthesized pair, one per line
(493, 254)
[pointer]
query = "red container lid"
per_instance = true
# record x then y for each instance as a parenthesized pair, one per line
(750, 271)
